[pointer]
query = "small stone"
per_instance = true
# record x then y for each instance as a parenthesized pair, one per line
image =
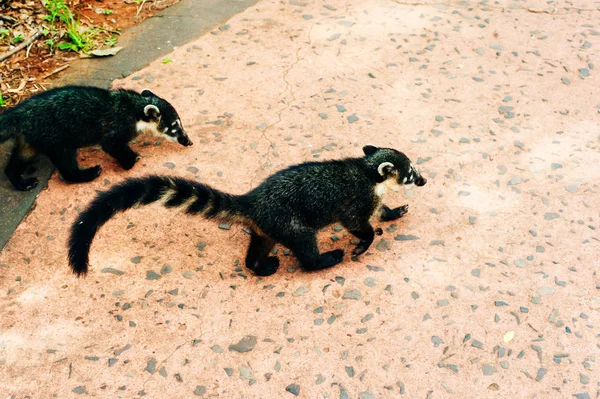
(352, 294)
(349, 371)
(301, 290)
(151, 366)
(169, 165)
(246, 344)
(520, 262)
(152, 275)
(488, 369)
(80, 390)
(166, 269)
(545, 291)
(383, 245)
(370, 282)
(340, 108)
(572, 188)
(112, 271)
(294, 389)
(323, 115)
(402, 237)
(514, 181)
(541, 373)
(551, 216)
(476, 344)
(352, 118)
(200, 390)
(472, 220)
(136, 259)
(565, 81)
(442, 302)
(217, 349)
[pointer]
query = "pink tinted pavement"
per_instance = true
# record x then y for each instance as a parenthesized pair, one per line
(488, 287)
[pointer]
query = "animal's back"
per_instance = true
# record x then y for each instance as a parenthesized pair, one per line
(315, 194)
(67, 116)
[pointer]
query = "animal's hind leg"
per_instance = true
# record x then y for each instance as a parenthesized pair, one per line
(66, 163)
(388, 214)
(306, 250)
(122, 153)
(21, 157)
(257, 258)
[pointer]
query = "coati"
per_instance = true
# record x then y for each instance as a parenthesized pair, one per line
(59, 121)
(288, 207)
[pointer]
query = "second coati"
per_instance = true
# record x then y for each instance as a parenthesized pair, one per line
(59, 121)
(288, 207)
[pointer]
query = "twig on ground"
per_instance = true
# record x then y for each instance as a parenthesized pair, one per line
(21, 46)
(140, 8)
(57, 70)
(8, 19)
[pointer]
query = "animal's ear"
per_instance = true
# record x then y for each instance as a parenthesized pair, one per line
(152, 111)
(370, 149)
(147, 93)
(385, 168)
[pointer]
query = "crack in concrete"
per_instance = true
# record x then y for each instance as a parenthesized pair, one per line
(288, 86)
(163, 362)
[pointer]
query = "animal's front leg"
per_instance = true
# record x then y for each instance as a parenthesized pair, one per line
(388, 214)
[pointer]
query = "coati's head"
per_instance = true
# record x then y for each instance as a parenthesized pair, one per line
(394, 169)
(161, 118)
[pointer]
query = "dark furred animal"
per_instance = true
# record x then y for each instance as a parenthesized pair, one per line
(59, 121)
(288, 207)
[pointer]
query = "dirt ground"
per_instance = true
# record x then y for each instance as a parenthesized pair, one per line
(29, 70)
(488, 287)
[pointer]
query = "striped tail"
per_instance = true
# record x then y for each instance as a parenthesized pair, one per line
(197, 199)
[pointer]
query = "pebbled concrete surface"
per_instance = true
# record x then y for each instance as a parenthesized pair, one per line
(143, 43)
(487, 288)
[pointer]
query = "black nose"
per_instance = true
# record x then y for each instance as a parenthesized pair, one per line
(184, 140)
(420, 181)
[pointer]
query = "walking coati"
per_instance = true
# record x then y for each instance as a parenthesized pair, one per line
(59, 121)
(288, 207)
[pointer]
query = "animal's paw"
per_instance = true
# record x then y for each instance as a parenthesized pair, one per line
(268, 267)
(90, 174)
(335, 256)
(393, 214)
(26, 184)
(402, 210)
(128, 162)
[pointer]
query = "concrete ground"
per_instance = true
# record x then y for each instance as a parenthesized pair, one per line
(487, 288)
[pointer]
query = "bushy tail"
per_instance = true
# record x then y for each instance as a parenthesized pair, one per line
(197, 198)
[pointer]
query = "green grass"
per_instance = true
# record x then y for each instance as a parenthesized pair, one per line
(59, 11)
(3, 102)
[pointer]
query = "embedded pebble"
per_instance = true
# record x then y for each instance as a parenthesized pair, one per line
(383, 245)
(294, 389)
(352, 294)
(246, 344)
